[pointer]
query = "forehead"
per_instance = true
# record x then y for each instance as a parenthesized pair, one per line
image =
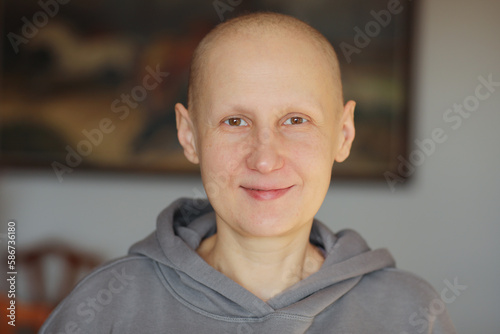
(268, 69)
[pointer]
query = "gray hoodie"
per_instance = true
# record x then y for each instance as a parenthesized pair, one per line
(163, 286)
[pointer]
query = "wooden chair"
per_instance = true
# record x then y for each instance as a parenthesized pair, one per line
(32, 264)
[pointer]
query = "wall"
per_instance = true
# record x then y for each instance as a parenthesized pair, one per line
(443, 224)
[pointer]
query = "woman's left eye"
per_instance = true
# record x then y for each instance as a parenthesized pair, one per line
(295, 120)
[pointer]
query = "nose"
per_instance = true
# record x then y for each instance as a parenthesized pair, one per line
(265, 152)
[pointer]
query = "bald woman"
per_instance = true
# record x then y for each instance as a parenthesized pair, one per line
(266, 122)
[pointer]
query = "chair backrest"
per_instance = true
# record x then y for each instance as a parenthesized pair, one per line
(73, 264)
(35, 270)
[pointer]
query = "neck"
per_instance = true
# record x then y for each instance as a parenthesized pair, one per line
(265, 266)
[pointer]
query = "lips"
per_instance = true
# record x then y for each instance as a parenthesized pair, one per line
(266, 194)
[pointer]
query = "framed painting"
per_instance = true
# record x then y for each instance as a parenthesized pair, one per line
(92, 84)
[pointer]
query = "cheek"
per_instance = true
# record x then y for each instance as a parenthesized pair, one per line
(312, 155)
(221, 159)
(313, 161)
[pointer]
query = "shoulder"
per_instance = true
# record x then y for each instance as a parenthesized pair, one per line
(401, 283)
(400, 289)
(406, 299)
(99, 295)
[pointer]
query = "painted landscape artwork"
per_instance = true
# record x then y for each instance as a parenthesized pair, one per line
(92, 85)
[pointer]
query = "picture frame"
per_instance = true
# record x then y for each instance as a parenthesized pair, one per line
(91, 85)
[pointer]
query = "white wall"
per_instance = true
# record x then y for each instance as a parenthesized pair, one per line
(443, 224)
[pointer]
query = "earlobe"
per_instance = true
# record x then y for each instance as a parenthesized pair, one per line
(348, 132)
(185, 133)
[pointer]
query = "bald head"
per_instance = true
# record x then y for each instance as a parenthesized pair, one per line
(256, 25)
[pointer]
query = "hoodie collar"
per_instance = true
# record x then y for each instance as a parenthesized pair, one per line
(185, 223)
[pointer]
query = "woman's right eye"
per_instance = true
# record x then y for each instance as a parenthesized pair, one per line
(235, 121)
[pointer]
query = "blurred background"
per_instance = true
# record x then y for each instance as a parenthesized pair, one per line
(99, 80)
(441, 223)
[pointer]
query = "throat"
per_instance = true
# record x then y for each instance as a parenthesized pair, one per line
(264, 274)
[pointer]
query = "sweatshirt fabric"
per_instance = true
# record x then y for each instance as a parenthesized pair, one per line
(164, 286)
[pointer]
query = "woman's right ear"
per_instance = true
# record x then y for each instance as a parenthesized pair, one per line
(185, 133)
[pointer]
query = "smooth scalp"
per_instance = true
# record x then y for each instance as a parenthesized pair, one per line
(254, 24)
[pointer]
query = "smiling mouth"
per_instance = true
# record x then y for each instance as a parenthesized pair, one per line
(266, 194)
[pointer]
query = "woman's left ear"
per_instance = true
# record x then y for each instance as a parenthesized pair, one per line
(348, 132)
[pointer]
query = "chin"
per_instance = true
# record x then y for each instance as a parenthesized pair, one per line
(268, 225)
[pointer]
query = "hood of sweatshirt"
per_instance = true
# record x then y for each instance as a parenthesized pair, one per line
(184, 224)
